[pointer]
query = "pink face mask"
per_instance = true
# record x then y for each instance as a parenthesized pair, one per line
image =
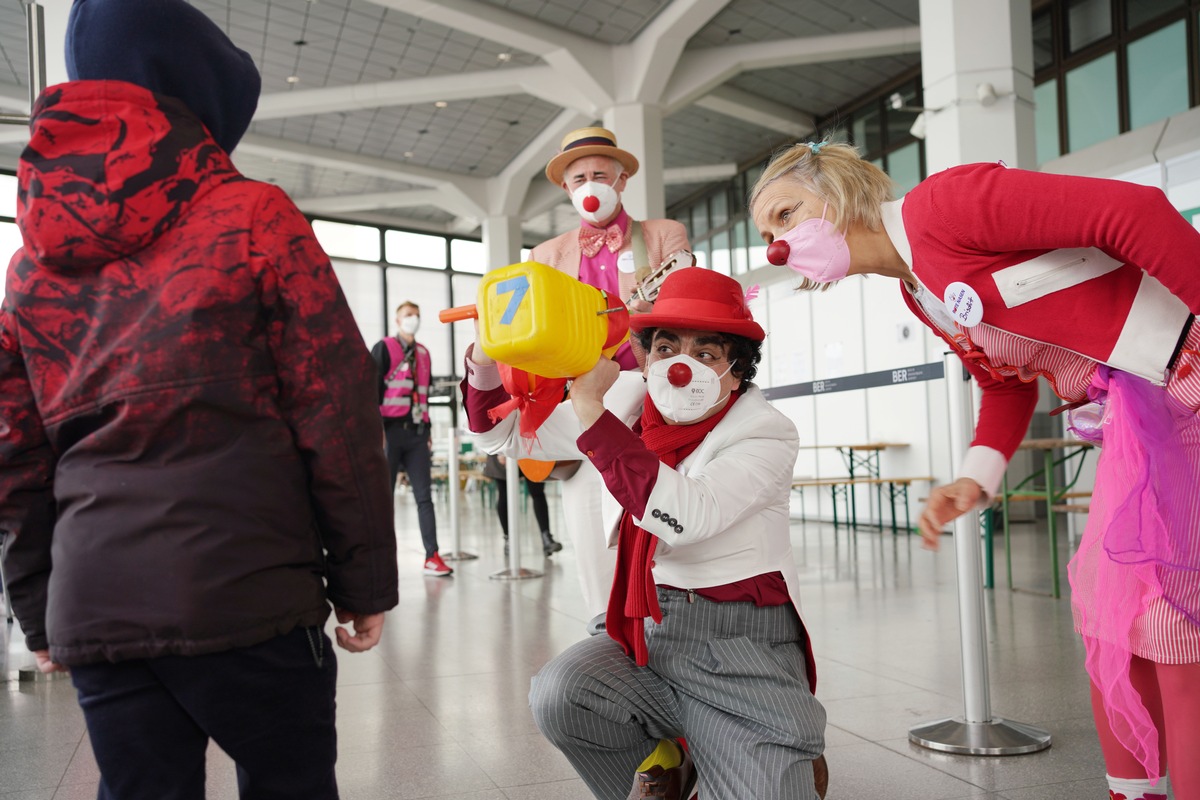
(814, 248)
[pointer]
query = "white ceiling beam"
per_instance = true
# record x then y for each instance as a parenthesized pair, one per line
(541, 198)
(537, 81)
(701, 71)
(758, 111)
(343, 204)
(701, 173)
(507, 191)
(583, 62)
(458, 194)
(644, 66)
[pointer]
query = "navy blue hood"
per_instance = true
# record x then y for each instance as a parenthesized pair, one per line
(170, 48)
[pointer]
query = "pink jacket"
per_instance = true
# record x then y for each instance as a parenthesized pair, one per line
(663, 238)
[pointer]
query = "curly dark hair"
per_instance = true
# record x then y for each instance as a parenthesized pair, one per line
(743, 352)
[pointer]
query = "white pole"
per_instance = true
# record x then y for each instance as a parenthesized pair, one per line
(976, 732)
(968, 553)
(512, 486)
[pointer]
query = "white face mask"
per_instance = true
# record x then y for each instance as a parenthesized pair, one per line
(410, 324)
(595, 202)
(695, 390)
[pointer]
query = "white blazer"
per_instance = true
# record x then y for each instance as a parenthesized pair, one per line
(729, 499)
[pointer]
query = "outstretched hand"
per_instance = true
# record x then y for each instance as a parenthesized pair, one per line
(947, 503)
(367, 630)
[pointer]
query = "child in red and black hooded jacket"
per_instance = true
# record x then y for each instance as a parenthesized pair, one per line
(190, 470)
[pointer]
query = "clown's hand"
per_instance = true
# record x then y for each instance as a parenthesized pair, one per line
(947, 503)
(588, 390)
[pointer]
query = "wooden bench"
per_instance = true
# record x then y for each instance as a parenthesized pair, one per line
(896, 488)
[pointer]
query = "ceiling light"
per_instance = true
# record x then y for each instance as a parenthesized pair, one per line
(441, 104)
(504, 56)
(293, 78)
(408, 153)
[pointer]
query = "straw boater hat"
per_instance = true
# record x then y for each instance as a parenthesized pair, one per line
(588, 142)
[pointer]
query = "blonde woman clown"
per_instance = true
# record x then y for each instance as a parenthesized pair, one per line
(1091, 284)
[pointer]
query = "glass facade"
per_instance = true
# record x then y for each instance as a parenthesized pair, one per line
(1157, 75)
(719, 228)
(1104, 67)
(1045, 117)
(1092, 103)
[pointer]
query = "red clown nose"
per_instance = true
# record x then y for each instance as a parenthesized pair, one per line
(679, 374)
(591, 204)
(778, 252)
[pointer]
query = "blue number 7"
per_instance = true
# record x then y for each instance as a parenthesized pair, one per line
(518, 286)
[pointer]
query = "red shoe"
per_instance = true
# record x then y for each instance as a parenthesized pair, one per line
(436, 567)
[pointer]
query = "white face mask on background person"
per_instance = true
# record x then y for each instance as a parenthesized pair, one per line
(686, 392)
(410, 324)
(595, 202)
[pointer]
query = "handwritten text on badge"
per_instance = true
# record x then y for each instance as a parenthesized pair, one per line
(964, 304)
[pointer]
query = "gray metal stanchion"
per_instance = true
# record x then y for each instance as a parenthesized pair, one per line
(977, 732)
(512, 484)
(452, 484)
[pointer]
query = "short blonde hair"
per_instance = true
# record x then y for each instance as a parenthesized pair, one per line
(836, 173)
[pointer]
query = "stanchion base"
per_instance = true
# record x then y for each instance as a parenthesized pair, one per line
(458, 556)
(517, 575)
(999, 737)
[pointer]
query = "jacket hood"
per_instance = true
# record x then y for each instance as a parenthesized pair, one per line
(109, 167)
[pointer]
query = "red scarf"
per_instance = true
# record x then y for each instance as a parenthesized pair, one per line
(633, 596)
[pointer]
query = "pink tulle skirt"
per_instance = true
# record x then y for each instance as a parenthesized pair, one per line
(1135, 580)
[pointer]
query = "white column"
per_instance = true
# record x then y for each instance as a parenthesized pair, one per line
(967, 45)
(501, 240)
(638, 127)
(55, 14)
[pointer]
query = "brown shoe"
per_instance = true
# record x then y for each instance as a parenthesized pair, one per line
(676, 783)
(821, 775)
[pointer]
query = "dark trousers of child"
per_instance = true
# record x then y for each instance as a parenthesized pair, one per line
(270, 706)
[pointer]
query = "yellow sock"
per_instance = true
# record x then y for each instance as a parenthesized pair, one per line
(666, 755)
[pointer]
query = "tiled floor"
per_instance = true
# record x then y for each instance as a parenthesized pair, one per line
(439, 708)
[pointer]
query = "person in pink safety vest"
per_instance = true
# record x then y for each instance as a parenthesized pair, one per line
(404, 381)
(604, 251)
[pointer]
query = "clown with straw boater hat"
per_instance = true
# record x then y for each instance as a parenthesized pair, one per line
(608, 250)
(704, 637)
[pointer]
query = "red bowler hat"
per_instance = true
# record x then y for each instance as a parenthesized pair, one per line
(699, 299)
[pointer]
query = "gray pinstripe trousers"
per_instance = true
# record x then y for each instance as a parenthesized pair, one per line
(728, 676)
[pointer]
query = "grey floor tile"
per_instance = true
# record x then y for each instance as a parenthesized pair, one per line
(518, 760)
(34, 767)
(559, 790)
(860, 772)
(440, 708)
(433, 771)
(1074, 755)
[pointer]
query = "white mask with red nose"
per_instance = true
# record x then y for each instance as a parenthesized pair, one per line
(683, 389)
(595, 202)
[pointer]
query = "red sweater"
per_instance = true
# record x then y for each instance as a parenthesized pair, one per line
(971, 223)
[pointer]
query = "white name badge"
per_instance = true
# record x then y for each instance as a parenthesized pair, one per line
(625, 261)
(964, 304)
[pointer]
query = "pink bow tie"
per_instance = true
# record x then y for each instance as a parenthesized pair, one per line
(592, 239)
